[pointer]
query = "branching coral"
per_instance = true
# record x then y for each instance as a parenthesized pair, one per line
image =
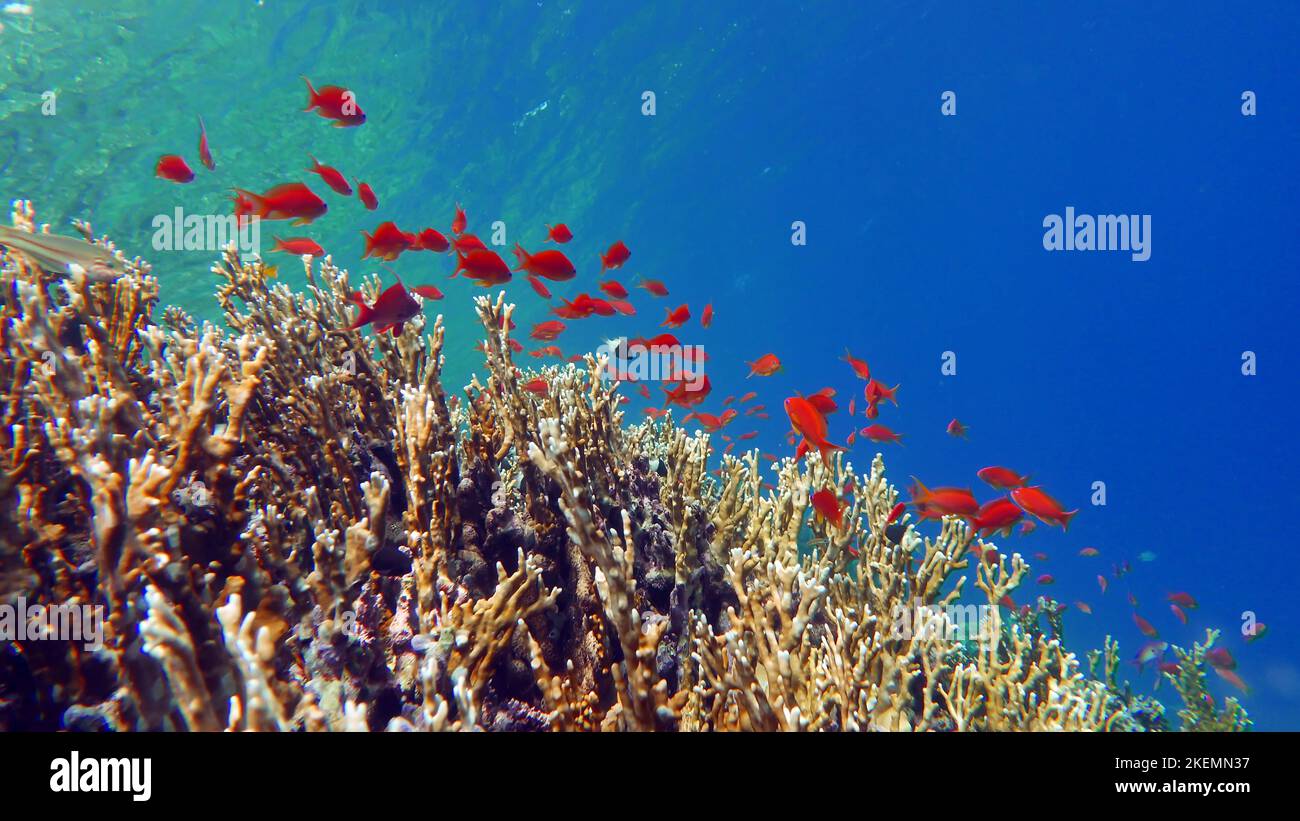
(293, 526)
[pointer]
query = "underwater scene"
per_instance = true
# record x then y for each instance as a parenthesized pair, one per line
(557, 365)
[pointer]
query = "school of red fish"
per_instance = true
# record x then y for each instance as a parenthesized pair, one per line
(1018, 506)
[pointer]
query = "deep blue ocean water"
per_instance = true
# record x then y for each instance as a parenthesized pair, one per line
(924, 231)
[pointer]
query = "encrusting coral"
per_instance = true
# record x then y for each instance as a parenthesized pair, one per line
(292, 526)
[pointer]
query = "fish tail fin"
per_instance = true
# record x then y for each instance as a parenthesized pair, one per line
(521, 255)
(257, 200)
(311, 94)
(279, 244)
(370, 244)
(364, 314)
(1066, 517)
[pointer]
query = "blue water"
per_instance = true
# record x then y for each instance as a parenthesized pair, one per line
(924, 231)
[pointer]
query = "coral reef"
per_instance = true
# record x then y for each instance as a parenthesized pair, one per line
(292, 526)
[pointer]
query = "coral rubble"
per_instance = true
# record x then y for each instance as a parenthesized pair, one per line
(291, 526)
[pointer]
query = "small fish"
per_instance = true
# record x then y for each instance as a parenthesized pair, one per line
(548, 331)
(1178, 613)
(459, 221)
(1132, 599)
(205, 153)
(1035, 500)
(614, 289)
(298, 246)
(540, 288)
(1255, 633)
(367, 195)
(559, 233)
(1083, 607)
(331, 177)
(617, 254)
(1221, 658)
(1040, 556)
(536, 386)
(291, 201)
(859, 366)
(1047, 578)
(943, 501)
(765, 365)
(1145, 626)
(1001, 478)
(852, 406)
(1103, 584)
(484, 266)
(1147, 556)
(550, 264)
(956, 428)
(58, 254)
(1089, 552)
(748, 396)
(881, 434)
(1232, 678)
(394, 307)
(431, 239)
(1183, 600)
(654, 286)
(387, 242)
(335, 103)
(468, 242)
(174, 168)
(996, 515)
(677, 317)
(706, 317)
(810, 424)
(828, 508)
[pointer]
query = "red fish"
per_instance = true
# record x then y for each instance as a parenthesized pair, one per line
(943, 501)
(468, 242)
(859, 366)
(1103, 584)
(614, 289)
(335, 103)
(548, 350)
(394, 307)
(677, 317)
(559, 233)
(205, 153)
(1001, 478)
(810, 424)
(1145, 626)
(828, 508)
(299, 246)
(174, 168)
(617, 254)
(1221, 658)
(331, 176)
(876, 392)
(484, 266)
(706, 318)
(998, 514)
(1178, 613)
(654, 286)
(1046, 578)
(537, 386)
(1232, 678)
(1049, 511)
(745, 437)
(431, 240)
(1182, 599)
(550, 264)
(765, 365)
(459, 221)
(291, 201)
(387, 242)
(750, 396)
(956, 428)
(880, 433)
(1084, 607)
(541, 289)
(548, 331)
(367, 195)
(896, 512)
(1089, 552)
(822, 400)
(686, 394)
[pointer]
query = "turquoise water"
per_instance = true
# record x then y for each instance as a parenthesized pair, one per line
(924, 231)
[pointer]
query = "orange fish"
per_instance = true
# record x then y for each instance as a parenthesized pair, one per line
(541, 289)
(298, 246)
(748, 397)
(367, 195)
(747, 436)
(459, 221)
(859, 366)
(765, 365)
(1049, 511)
(956, 428)
(706, 318)
(550, 264)
(677, 317)
(293, 200)
(1001, 478)
(205, 153)
(617, 254)
(537, 386)
(828, 508)
(1084, 607)
(880, 433)
(387, 242)
(1089, 551)
(614, 289)
(548, 331)
(484, 266)
(876, 392)
(174, 168)
(944, 501)
(1145, 626)
(654, 286)
(810, 424)
(335, 103)
(559, 233)
(1046, 578)
(331, 176)
(431, 239)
